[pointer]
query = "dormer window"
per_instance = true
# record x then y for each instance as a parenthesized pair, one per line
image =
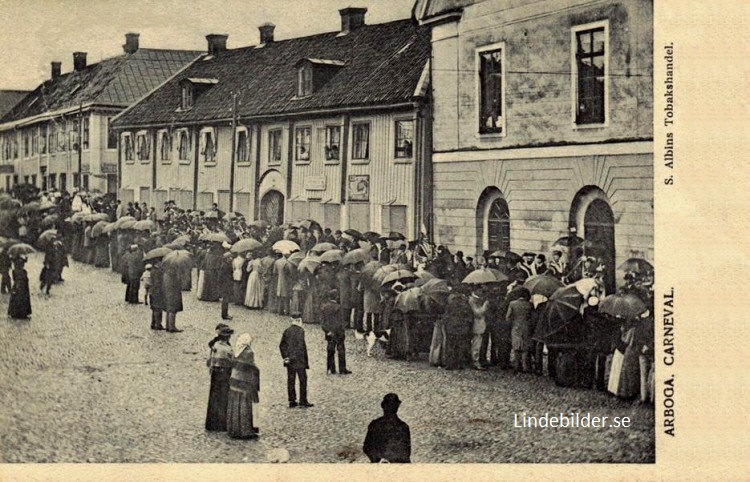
(192, 88)
(312, 74)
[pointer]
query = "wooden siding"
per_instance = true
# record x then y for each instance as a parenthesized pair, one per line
(540, 194)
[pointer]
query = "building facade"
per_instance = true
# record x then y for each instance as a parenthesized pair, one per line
(58, 136)
(543, 124)
(333, 127)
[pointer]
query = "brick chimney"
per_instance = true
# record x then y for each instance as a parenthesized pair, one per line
(56, 69)
(131, 43)
(79, 61)
(216, 43)
(352, 18)
(266, 33)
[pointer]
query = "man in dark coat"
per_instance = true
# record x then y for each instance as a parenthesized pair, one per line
(131, 274)
(156, 296)
(334, 326)
(388, 437)
(294, 352)
(344, 276)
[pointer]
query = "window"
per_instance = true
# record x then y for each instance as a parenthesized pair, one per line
(165, 145)
(111, 136)
(26, 144)
(85, 142)
(52, 137)
(404, 139)
(184, 146)
(333, 143)
(143, 146)
(590, 74)
(242, 149)
(361, 141)
(43, 140)
(208, 143)
(274, 146)
(304, 81)
(73, 135)
(76, 180)
(63, 181)
(302, 143)
(127, 147)
(491, 93)
(35, 142)
(53, 181)
(62, 140)
(14, 143)
(187, 96)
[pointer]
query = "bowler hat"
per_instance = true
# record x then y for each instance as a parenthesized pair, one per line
(390, 400)
(225, 331)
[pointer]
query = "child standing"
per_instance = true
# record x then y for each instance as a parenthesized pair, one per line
(146, 281)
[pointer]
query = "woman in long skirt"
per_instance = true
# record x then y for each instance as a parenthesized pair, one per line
(244, 386)
(220, 364)
(255, 287)
(19, 305)
(102, 252)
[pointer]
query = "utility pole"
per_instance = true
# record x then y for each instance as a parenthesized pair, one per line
(234, 152)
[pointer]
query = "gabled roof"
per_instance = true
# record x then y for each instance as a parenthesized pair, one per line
(9, 99)
(118, 82)
(382, 65)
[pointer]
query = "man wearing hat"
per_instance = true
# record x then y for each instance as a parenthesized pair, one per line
(294, 352)
(334, 326)
(526, 265)
(388, 437)
(557, 267)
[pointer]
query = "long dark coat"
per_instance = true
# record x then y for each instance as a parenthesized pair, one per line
(19, 305)
(389, 438)
(293, 347)
(345, 288)
(172, 290)
(156, 293)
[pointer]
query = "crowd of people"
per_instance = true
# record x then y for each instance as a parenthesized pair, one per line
(410, 299)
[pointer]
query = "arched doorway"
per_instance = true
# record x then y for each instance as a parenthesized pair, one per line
(592, 215)
(493, 221)
(272, 207)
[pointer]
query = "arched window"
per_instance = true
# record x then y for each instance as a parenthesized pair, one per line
(592, 215)
(498, 226)
(272, 207)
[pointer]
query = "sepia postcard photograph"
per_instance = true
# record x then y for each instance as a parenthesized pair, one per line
(347, 232)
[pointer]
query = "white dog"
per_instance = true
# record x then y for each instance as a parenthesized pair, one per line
(373, 337)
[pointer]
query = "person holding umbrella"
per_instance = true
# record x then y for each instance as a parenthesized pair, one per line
(48, 275)
(132, 271)
(172, 266)
(19, 305)
(519, 316)
(479, 306)
(5, 265)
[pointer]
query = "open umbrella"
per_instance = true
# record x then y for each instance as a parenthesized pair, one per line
(78, 217)
(285, 246)
(396, 236)
(98, 229)
(177, 261)
(235, 215)
(31, 206)
(355, 256)
(623, 305)
(323, 247)
(354, 234)
(542, 285)
(425, 275)
(245, 245)
(407, 301)
(46, 205)
(129, 224)
(96, 217)
(145, 225)
(260, 223)
(109, 228)
(19, 249)
(181, 240)
(332, 256)
(368, 271)
(637, 265)
(499, 275)
(215, 238)
(569, 241)
(437, 289)
(212, 215)
(403, 275)
(309, 263)
(50, 220)
(371, 236)
(509, 256)
(46, 237)
(480, 276)
(296, 258)
(120, 221)
(157, 253)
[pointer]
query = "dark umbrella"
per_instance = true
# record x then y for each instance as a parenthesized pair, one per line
(562, 309)
(19, 249)
(637, 265)
(355, 234)
(46, 237)
(360, 255)
(407, 301)
(177, 261)
(157, 253)
(509, 256)
(396, 236)
(542, 285)
(569, 241)
(371, 236)
(623, 305)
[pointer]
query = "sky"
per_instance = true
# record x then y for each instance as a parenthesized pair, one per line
(36, 32)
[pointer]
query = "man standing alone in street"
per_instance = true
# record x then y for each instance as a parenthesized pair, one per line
(334, 326)
(388, 437)
(294, 352)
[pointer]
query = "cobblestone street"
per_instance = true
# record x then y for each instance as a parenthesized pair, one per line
(86, 380)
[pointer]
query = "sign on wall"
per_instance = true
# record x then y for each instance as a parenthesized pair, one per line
(359, 187)
(315, 183)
